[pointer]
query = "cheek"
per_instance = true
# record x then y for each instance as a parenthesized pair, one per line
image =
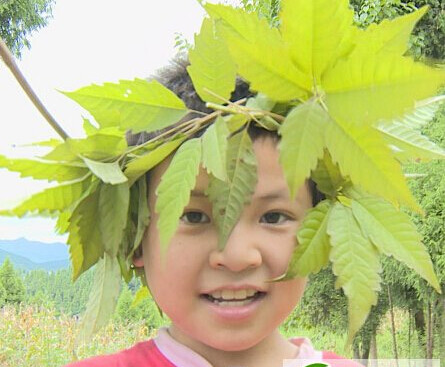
(289, 294)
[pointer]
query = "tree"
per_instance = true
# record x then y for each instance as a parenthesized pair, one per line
(19, 18)
(12, 284)
(2, 295)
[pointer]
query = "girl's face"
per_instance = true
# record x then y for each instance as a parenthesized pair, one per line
(195, 275)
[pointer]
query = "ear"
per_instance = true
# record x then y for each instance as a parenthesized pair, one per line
(138, 259)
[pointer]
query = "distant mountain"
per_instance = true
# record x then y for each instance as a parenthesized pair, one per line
(37, 252)
(23, 263)
(29, 255)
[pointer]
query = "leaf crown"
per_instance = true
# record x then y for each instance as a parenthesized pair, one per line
(347, 104)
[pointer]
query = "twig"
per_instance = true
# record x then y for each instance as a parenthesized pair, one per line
(11, 64)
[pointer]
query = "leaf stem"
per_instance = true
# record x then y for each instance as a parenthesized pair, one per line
(11, 64)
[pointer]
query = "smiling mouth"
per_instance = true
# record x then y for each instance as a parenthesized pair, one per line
(233, 302)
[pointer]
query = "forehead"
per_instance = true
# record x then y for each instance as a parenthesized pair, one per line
(271, 179)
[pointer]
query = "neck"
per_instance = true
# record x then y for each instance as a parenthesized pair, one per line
(270, 352)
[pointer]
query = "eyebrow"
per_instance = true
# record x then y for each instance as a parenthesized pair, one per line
(273, 195)
(198, 193)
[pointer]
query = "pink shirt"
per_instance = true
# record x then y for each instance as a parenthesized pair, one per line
(164, 351)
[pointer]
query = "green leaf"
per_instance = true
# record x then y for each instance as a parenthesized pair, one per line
(135, 105)
(365, 88)
(235, 122)
(86, 246)
(317, 31)
(214, 149)
(108, 172)
(44, 170)
(173, 192)
(411, 143)
(261, 55)
(228, 198)
(423, 114)
(142, 294)
(113, 211)
(302, 143)
(327, 176)
(89, 128)
(52, 200)
(393, 233)
(389, 35)
(355, 263)
(312, 250)
(362, 155)
(103, 298)
(143, 215)
(142, 164)
(260, 102)
(211, 67)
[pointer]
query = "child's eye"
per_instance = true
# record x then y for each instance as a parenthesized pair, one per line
(274, 218)
(195, 217)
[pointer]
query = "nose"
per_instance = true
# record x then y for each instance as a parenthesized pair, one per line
(241, 251)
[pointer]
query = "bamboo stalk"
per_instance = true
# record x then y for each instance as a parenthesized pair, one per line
(7, 57)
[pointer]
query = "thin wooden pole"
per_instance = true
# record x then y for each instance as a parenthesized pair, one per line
(12, 65)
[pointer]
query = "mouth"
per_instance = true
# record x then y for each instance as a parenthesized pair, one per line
(233, 302)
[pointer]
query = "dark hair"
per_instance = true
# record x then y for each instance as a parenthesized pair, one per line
(176, 78)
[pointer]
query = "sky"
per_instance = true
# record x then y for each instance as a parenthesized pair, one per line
(87, 41)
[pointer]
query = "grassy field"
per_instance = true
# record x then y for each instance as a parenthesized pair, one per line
(38, 337)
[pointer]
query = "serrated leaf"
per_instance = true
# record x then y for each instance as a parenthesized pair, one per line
(393, 233)
(317, 31)
(63, 222)
(44, 170)
(356, 264)
(143, 215)
(142, 164)
(173, 192)
(362, 155)
(390, 35)
(86, 246)
(52, 200)
(89, 128)
(312, 250)
(412, 143)
(103, 298)
(302, 143)
(228, 198)
(135, 105)
(211, 67)
(365, 88)
(113, 211)
(327, 176)
(261, 55)
(420, 116)
(108, 172)
(142, 294)
(52, 143)
(214, 149)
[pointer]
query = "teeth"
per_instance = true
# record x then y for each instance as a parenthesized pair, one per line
(233, 303)
(228, 294)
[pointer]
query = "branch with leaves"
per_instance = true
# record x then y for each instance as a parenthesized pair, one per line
(352, 120)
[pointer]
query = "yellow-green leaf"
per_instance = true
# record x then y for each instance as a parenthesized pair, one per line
(362, 155)
(318, 32)
(141, 164)
(211, 67)
(44, 170)
(108, 172)
(52, 200)
(327, 176)
(302, 143)
(103, 298)
(214, 149)
(393, 233)
(261, 55)
(389, 35)
(173, 192)
(113, 212)
(356, 264)
(228, 198)
(135, 105)
(143, 215)
(312, 250)
(86, 246)
(365, 88)
(141, 294)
